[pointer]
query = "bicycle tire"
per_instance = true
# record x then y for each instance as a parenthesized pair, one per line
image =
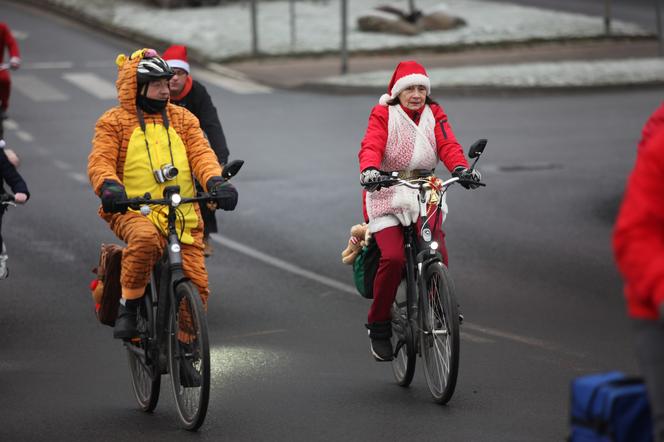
(191, 400)
(405, 354)
(145, 372)
(439, 333)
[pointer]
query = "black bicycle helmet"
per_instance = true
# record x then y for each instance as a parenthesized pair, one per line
(153, 68)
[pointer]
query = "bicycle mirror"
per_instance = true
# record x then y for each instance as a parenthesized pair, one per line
(232, 168)
(477, 148)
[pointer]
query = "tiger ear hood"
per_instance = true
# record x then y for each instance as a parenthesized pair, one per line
(126, 84)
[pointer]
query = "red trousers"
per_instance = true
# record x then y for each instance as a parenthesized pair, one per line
(5, 88)
(391, 267)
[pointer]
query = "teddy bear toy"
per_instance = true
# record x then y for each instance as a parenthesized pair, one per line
(359, 237)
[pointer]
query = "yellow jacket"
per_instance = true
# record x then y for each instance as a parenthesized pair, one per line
(114, 130)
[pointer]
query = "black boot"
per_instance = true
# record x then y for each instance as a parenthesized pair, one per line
(125, 323)
(380, 334)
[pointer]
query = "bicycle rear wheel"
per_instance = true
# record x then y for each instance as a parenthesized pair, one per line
(189, 356)
(145, 372)
(405, 355)
(439, 334)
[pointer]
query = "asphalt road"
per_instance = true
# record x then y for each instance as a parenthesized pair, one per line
(530, 255)
(642, 12)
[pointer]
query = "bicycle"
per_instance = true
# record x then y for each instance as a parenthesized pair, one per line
(173, 335)
(426, 323)
(6, 200)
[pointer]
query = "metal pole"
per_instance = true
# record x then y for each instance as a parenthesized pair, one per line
(344, 37)
(254, 27)
(658, 14)
(411, 4)
(607, 17)
(291, 10)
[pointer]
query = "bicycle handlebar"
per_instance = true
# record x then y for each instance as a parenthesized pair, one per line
(416, 183)
(175, 200)
(7, 200)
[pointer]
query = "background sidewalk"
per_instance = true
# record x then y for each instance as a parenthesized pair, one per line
(503, 46)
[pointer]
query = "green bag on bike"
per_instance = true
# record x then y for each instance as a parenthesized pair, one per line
(365, 267)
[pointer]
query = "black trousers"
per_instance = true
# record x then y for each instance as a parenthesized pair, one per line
(650, 354)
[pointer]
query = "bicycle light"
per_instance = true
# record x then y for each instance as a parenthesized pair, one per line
(176, 199)
(434, 245)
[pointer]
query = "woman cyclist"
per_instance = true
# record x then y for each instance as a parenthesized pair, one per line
(407, 132)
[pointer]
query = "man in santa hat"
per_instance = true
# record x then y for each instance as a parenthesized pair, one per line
(189, 93)
(7, 41)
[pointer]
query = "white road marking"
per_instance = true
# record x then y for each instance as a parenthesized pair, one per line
(283, 265)
(24, 136)
(231, 80)
(475, 338)
(347, 288)
(19, 35)
(49, 65)
(42, 151)
(11, 124)
(61, 165)
(37, 90)
(93, 84)
(79, 177)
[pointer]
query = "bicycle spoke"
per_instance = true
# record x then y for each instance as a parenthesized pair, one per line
(440, 336)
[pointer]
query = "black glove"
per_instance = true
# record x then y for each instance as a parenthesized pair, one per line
(110, 192)
(368, 176)
(465, 174)
(224, 193)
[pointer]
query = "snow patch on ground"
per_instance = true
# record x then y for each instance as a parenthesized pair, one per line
(222, 32)
(527, 75)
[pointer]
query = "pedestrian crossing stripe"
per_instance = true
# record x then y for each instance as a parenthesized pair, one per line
(36, 89)
(92, 84)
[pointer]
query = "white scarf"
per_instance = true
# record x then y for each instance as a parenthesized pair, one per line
(409, 147)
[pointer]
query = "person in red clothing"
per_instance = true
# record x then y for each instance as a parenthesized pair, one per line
(638, 244)
(7, 41)
(407, 132)
(192, 95)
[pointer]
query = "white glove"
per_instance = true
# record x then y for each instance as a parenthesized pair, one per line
(14, 63)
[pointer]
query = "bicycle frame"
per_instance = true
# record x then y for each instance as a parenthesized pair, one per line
(170, 272)
(420, 249)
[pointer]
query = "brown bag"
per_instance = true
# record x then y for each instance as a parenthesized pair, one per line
(106, 289)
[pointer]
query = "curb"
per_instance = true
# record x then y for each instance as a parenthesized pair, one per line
(470, 91)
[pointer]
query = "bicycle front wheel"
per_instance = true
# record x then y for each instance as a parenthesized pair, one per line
(145, 372)
(439, 334)
(189, 356)
(403, 343)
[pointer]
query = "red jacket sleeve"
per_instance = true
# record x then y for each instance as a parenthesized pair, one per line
(9, 41)
(375, 139)
(450, 151)
(638, 237)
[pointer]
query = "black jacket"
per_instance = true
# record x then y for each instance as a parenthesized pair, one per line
(199, 103)
(9, 175)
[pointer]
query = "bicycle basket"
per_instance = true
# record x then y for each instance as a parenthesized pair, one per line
(365, 268)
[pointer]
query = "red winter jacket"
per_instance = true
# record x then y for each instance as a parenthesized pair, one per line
(375, 139)
(638, 237)
(374, 142)
(7, 40)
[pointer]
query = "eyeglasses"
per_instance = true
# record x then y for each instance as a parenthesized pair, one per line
(180, 72)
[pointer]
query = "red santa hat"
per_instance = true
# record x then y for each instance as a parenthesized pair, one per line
(406, 74)
(176, 57)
